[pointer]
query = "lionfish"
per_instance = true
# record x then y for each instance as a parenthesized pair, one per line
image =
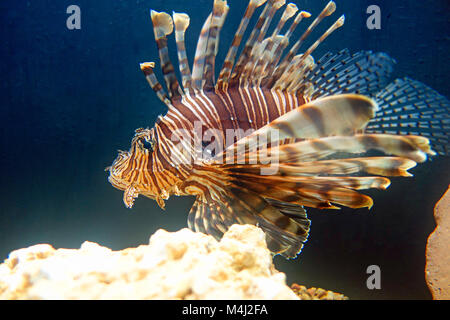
(278, 131)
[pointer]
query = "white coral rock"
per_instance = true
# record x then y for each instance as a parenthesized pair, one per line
(177, 265)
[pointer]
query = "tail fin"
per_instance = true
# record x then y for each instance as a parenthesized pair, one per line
(410, 107)
(363, 72)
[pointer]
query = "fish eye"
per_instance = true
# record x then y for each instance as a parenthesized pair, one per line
(146, 144)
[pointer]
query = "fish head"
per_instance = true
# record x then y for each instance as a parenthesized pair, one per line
(137, 171)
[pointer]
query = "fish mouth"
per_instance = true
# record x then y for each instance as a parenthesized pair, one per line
(116, 182)
(115, 175)
(114, 168)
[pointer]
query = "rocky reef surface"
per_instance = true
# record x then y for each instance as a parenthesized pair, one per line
(174, 265)
(316, 293)
(185, 265)
(437, 269)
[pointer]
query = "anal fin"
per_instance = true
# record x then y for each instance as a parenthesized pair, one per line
(285, 233)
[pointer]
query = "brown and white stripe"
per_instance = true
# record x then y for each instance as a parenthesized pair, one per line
(181, 21)
(222, 83)
(163, 26)
(327, 11)
(281, 116)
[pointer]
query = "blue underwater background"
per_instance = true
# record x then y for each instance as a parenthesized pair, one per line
(70, 98)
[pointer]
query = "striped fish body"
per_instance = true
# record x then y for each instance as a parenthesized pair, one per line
(238, 111)
(235, 110)
(276, 132)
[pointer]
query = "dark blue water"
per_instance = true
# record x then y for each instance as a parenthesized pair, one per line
(71, 98)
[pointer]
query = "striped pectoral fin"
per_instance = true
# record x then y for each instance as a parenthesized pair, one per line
(408, 107)
(316, 192)
(299, 176)
(298, 182)
(414, 148)
(341, 196)
(337, 115)
(383, 166)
